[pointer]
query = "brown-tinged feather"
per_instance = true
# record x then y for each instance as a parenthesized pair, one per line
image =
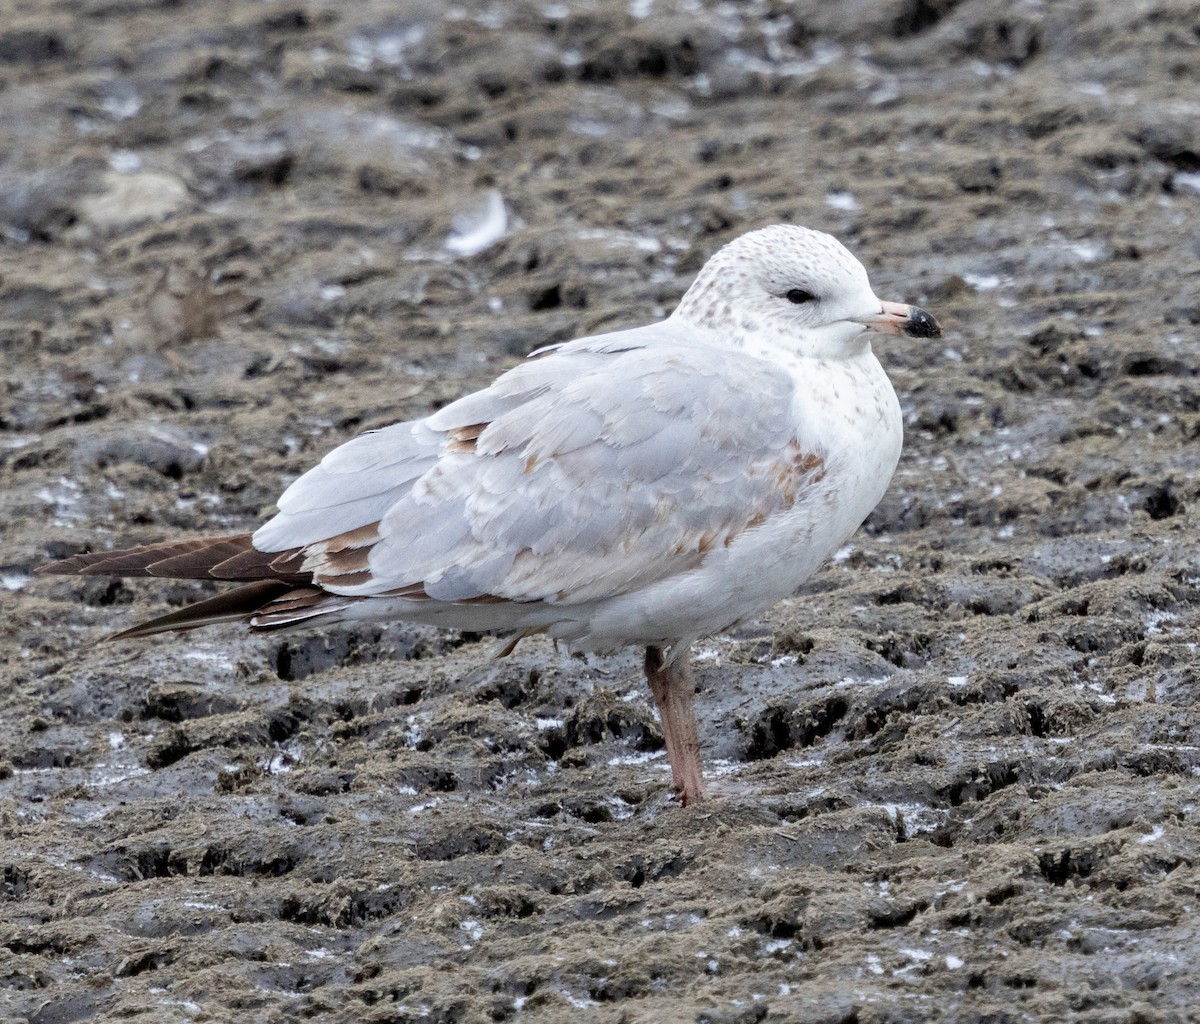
(254, 564)
(300, 599)
(198, 563)
(227, 558)
(344, 559)
(295, 606)
(275, 580)
(345, 562)
(802, 469)
(462, 439)
(363, 537)
(350, 579)
(138, 561)
(238, 603)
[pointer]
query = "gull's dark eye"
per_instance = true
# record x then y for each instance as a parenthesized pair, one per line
(800, 296)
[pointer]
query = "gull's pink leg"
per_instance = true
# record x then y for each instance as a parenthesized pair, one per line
(673, 689)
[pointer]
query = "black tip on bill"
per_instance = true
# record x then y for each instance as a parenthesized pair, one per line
(921, 324)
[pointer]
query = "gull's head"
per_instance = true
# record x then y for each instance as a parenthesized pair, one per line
(798, 289)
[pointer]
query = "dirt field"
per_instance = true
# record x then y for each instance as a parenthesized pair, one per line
(957, 778)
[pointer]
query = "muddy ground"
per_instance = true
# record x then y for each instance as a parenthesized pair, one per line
(956, 778)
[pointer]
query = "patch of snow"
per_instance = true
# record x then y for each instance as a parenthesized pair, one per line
(479, 229)
(1189, 180)
(841, 201)
(983, 282)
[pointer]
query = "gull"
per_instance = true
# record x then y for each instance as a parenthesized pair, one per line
(646, 487)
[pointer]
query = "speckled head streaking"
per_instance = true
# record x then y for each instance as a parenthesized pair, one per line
(796, 289)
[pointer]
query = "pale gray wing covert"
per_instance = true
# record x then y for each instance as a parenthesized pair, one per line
(358, 482)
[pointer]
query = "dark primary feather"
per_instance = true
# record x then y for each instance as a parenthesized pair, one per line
(208, 558)
(239, 603)
(276, 592)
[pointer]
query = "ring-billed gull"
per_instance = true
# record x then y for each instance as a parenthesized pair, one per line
(650, 486)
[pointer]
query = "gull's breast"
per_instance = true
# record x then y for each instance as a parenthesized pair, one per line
(855, 432)
(846, 444)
